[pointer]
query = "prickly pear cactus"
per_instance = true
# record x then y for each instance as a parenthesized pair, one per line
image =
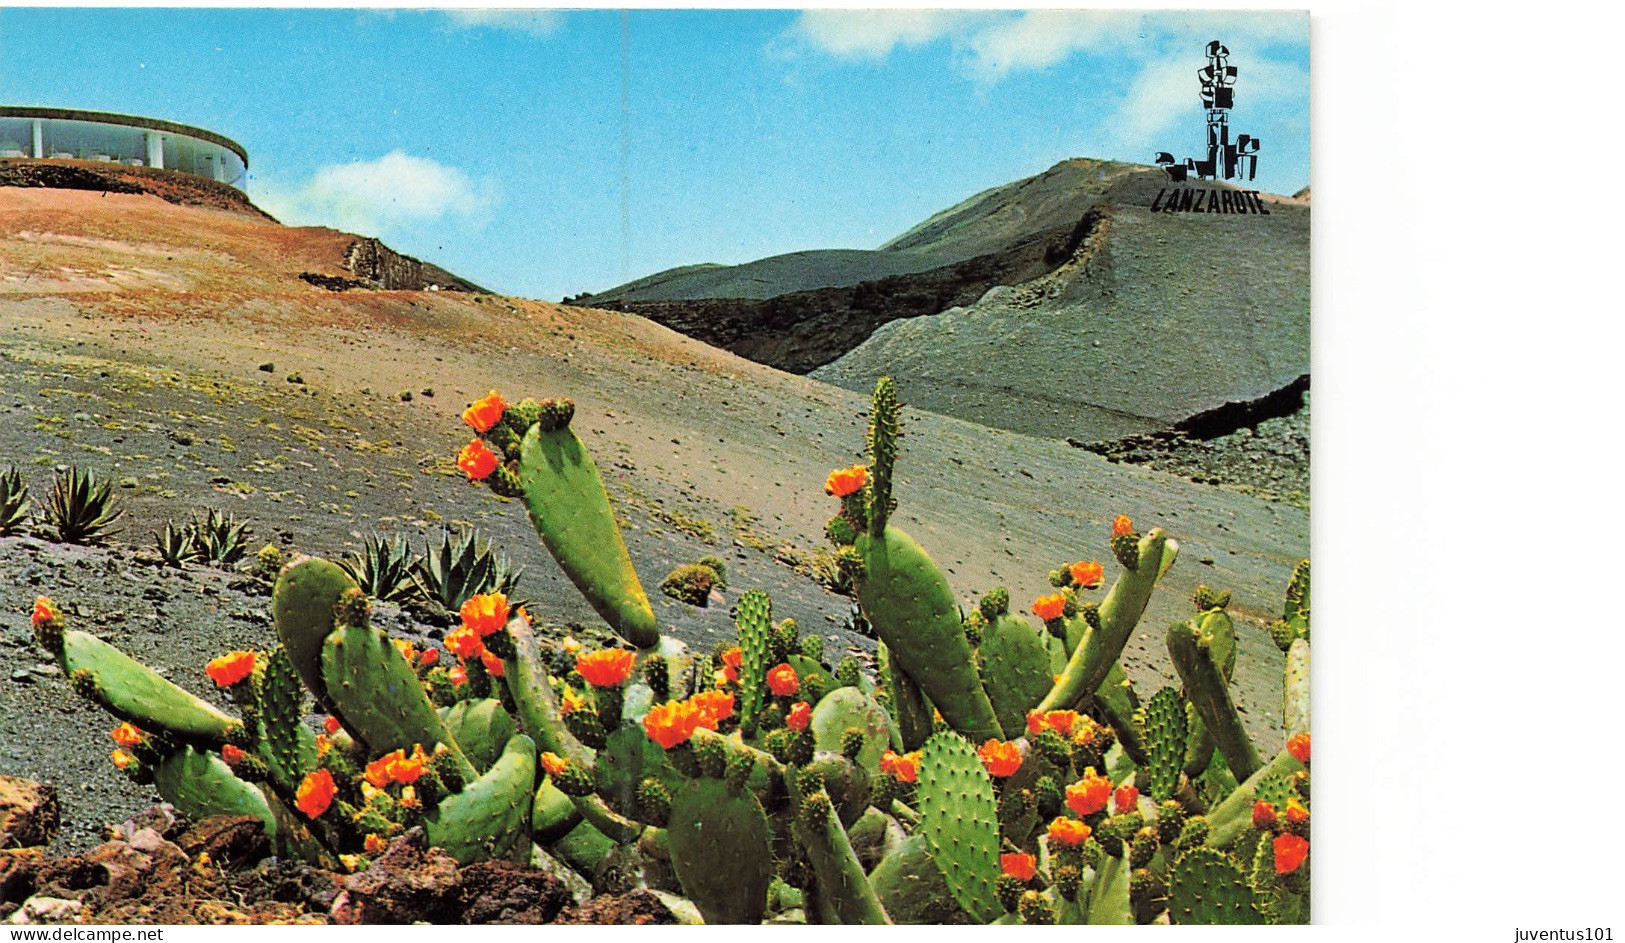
(1015, 670)
(1165, 733)
(850, 709)
(842, 885)
(288, 744)
(911, 887)
(200, 784)
(754, 622)
(133, 692)
(489, 817)
(1207, 887)
(909, 706)
(1109, 901)
(959, 820)
(302, 605)
(482, 728)
(570, 511)
(722, 850)
(1295, 706)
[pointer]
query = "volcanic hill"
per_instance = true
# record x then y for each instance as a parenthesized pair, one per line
(183, 351)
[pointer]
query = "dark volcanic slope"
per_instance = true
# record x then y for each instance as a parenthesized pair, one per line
(1160, 316)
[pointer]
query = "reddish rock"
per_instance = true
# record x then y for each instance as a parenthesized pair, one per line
(29, 814)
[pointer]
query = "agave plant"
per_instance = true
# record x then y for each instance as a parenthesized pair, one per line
(383, 568)
(176, 545)
(80, 508)
(462, 566)
(220, 538)
(14, 501)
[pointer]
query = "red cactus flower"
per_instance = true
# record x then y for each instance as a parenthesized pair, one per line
(231, 668)
(332, 725)
(1020, 865)
(1088, 575)
(315, 793)
(1068, 833)
(606, 669)
(1296, 812)
(782, 680)
(232, 754)
(372, 844)
(1050, 607)
(1061, 722)
(485, 613)
(377, 772)
(429, 658)
(128, 735)
(457, 676)
(1001, 758)
(1126, 799)
(485, 412)
(800, 716)
(1290, 850)
(493, 665)
(477, 461)
(732, 660)
(1298, 746)
(905, 767)
(463, 643)
(1089, 794)
(671, 723)
(121, 759)
(1263, 815)
(713, 707)
(554, 764)
(1035, 723)
(45, 611)
(844, 481)
(1122, 526)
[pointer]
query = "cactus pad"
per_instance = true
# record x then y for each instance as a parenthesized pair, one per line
(482, 728)
(959, 820)
(131, 691)
(302, 604)
(488, 818)
(200, 784)
(912, 888)
(846, 709)
(754, 621)
(1207, 887)
(722, 851)
(1165, 732)
(1015, 670)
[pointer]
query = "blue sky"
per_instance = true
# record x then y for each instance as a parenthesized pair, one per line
(495, 143)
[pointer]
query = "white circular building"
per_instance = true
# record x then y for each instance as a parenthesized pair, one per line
(102, 137)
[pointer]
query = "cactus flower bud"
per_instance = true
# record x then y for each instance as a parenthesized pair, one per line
(1122, 526)
(45, 611)
(844, 481)
(1021, 865)
(1088, 575)
(1050, 607)
(315, 793)
(232, 754)
(606, 669)
(429, 658)
(1290, 850)
(1298, 746)
(477, 461)
(782, 680)
(485, 613)
(800, 716)
(1296, 812)
(231, 668)
(1001, 758)
(485, 412)
(1263, 815)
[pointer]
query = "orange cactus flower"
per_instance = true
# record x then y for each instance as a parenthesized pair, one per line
(332, 725)
(1126, 799)
(1296, 812)
(1122, 526)
(713, 707)
(570, 701)
(554, 764)
(128, 735)
(231, 668)
(606, 669)
(485, 412)
(671, 723)
(732, 660)
(905, 767)
(409, 797)
(800, 716)
(405, 769)
(477, 461)
(463, 642)
(315, 794)
(782, 680)
(1049, 607)
(405, 648)
(1035, 723)
(1290, 850)
(844, 481)
(1089, 794)
(372, 844)
(1021, 865)
(121, 759)
(1298, 746)
(493, 665)
(429, 658)
(232, 754)
(377, 772)
(1263, 815)
(485, 613)
(44, 611)
(1001, 758)
(1061, 722)
(457, 676)
(1088, 575)
(1068, 833)
(323, 744)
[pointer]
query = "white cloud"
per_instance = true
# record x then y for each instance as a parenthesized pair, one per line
(873, 34)
(539, 23)
(1164, 94)
(375, 197)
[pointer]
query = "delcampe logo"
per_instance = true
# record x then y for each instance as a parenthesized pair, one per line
(1225, 160)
